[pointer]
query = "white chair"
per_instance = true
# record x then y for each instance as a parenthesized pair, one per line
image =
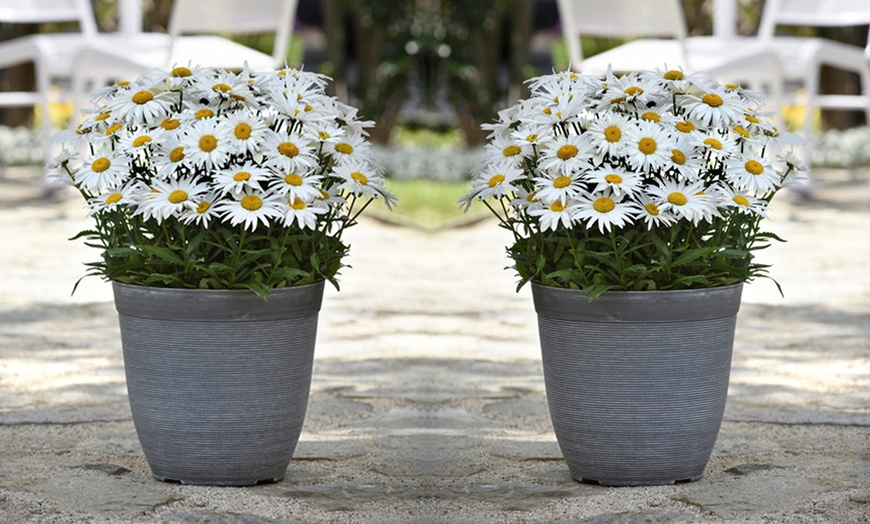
(666, 42)
(51, 54)
(770, 60)
(191, 38)
(803, 57)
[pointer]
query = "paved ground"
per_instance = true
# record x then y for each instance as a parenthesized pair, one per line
(428, 401)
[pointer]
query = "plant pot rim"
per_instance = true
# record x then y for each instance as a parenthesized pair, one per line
(677, 305)
(217, 304)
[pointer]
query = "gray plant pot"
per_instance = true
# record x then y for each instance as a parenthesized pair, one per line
(218, 381)
(637, 381)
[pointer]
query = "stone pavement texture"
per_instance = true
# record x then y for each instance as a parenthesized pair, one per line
(428, 400)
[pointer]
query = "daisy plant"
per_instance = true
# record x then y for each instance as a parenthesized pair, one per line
(209, 179)
(655, 180)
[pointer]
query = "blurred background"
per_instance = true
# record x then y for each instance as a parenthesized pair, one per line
(430, 72)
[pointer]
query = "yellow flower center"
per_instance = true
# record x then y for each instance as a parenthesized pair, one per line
(531, 138)
(359, 178)
(103, 116)
(252, 203)
(308, 108)
(323, 135)
(344, 148)
(604, 205)
(178, 196)
(298, 204)
(678, 157)
(652, 209)
(633, 91)
(242, 131)
(114, 198)
(613, 178)
(557, 206)
(685, 126)
(713, 100)
(202, 114)
(712, 142)
(673, 74)
(741, 200)
(177, 154)
(612, 134)
(142, 97)
(170, 123)
(678, 199)
(288, 149)
(101, 164)
(647, 146)
(112, 128)
(532, 197)
(221, 88)
(122, 83)
(651, 116)
(751, 119)
(203, 206)
(732, 86)
(208, 143)
(82, 130)
(511, 151)
(561, 181)
(754, 167)
(547, 111)
(293, 179)
(567, 152)
(496, 180)
(181, 72)
(242, 176)
(141, 140)
(741, 131)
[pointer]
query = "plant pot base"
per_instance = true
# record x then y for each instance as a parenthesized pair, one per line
(633, 483)
(212, 482)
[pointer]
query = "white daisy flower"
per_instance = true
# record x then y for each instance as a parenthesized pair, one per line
(505, 148)
(351, 148)
(506, 121)
(566, 154)
(139, 105)
(494, 181)
(251, 208)
(716, 145)
(170, 157)
(651, 214)
(288, 153)
(630, 91)
(752, 172)
(172, 125)
(304, 185)
(237, 178)
(683, 199)
(110, 201)
(685, 160)
(741, 201)
(141, 141)
(686, 128)
(227, 86)
(303, 213)
(207, 144)
(530, 136)
(360, 179)
(324, 131)
(169, 198)
(620, 181)
(648, 146)
(559, 185)
(604, 209)
(716, 107)
(751, 98)
(247, 130)
(552, 214)
(526, 200)
(102, 171)
(608, 134)
(204, 211)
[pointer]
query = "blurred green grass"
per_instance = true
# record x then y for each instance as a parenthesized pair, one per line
(427, 204)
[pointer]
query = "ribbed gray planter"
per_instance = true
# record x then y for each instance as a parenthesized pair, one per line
(218, 381)
(636, 381)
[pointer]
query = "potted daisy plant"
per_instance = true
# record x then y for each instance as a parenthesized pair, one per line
(219, 202)
(635, 205)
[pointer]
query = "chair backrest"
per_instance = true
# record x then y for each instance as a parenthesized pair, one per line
(235, 16)
(620, 18)
(813, 13)
(48, 11)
